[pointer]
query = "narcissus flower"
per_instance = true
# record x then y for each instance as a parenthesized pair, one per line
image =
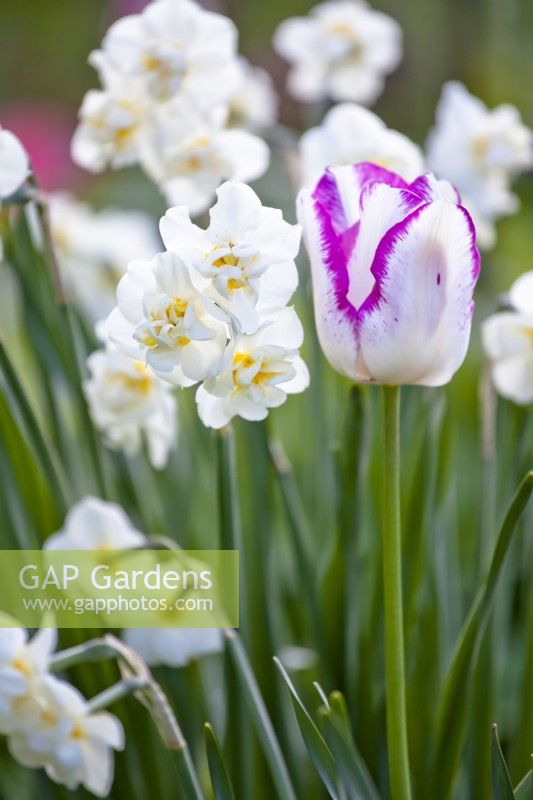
(350, 134)
(174, 47)
(95, 248)
(394, 268)
(73, 744)
(14, 164)
(480, 151)
(111, 132)
(259, 372)
(508, 342)
(254, 105)
(245, 258)
(342, 50)
(129, 403)
(23, 663)
(174, 647)
(190, 155)
(162, 319)
(94, 524)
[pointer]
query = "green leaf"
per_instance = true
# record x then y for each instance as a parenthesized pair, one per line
(217, 767)
(524, 790)
(318, 749)
(453, 705)
(350, 765)
(502, 787)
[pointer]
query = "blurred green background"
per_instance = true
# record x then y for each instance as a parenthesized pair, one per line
(487, 44)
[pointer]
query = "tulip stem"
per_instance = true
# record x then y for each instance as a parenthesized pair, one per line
(393, 602)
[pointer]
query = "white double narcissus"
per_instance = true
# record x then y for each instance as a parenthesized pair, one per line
(162, 319)
(394, 267)
(480, 150)
(94, 249)
(508, 343)
(350, 134)
(128, 402)
(259, 372)
(73, 744)
(23, 663)
(341, 50)
(189, 155)
(174, 47)
(174, 647)
(245, 258)
(111, 131)
(14, 164)
(94, 524)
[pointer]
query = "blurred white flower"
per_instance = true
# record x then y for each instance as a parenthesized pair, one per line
(74, 745)
(22, 663)
(508, 342)
(255, 103)
(479, 151)
(174, 48)
(351, 134)
(191, 155)
(95, 248)
(162, 319)
(14, 163)
(111, 131)
(127, 402)
(245, 257)
(174, 647)
(94, 524)
(342, 50)
(258, 374)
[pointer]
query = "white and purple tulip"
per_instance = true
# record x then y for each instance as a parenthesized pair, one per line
(394, 267)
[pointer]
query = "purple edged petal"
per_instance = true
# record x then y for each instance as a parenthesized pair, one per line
(340, 188)
(428, 188)
(335, 317)
(426, 268)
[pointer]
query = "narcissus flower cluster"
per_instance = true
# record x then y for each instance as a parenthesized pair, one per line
(212, 309)
(49, 723)
(177, 99)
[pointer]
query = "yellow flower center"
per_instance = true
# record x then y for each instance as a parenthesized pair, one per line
(22, 666)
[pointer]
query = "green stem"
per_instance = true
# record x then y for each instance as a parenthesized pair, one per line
(392, 586)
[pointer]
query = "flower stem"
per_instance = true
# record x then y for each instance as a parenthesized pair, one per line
(393, 602)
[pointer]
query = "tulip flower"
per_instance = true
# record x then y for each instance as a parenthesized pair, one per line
(394, 267)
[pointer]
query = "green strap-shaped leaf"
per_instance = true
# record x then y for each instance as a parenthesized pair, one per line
(356, 778)
(502, 788)
(524, 790)
(451, 712)
(318, 750)
(217, 767)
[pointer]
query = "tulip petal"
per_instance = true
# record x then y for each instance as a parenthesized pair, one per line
(335, 317)
(417, 329)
